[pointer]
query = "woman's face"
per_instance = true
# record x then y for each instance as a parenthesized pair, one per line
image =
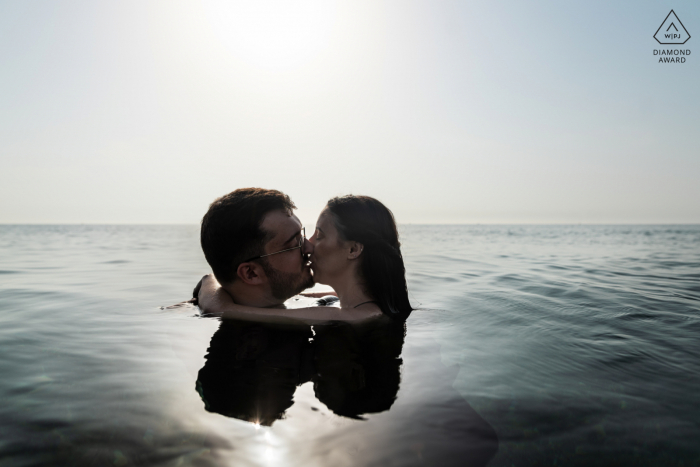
(330, 257)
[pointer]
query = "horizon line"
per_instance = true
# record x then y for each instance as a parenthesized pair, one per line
(398, 223)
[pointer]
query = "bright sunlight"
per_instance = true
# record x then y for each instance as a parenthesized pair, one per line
(273, 34)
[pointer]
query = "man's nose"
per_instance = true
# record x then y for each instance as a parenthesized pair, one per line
(308, 247)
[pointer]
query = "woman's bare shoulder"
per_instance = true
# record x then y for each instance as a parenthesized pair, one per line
(364, 312)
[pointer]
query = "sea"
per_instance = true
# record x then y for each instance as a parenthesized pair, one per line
(530, 345)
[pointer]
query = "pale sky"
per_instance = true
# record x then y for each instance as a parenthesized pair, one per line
(447, 111)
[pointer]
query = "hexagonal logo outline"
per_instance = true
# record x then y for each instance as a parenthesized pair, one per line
(672, 24)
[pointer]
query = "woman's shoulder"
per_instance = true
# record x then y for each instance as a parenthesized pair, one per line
(364, 311)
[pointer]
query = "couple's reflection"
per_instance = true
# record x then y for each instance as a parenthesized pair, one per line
(252, 370)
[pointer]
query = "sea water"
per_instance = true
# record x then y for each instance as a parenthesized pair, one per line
(574, 345)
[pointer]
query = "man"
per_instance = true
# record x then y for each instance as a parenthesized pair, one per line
(256, 247)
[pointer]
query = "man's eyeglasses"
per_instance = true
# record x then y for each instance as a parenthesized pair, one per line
(302, 239)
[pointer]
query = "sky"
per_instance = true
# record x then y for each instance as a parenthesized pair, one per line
(497, 111)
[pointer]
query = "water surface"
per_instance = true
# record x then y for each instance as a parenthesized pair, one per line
(577, 345)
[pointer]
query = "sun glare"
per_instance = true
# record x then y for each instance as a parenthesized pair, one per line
(273, 34)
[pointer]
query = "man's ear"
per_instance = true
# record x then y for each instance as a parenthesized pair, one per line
(355, 250)
(251, 273)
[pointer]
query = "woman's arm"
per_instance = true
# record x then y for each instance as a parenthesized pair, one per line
(211, 297)
(318, 294)
(214, 299)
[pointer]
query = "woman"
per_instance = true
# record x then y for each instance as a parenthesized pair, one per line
(356, 252)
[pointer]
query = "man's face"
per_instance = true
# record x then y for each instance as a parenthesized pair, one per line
(288, 272)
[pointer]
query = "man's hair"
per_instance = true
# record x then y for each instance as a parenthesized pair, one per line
(231, 228)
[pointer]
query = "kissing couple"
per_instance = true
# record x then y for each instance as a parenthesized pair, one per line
(260, 257)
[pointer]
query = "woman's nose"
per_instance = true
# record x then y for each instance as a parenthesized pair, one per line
(308, 247)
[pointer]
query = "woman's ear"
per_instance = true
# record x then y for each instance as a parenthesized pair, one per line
(355, 250)
(251, 273)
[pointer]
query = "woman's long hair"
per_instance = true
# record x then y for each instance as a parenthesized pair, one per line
(367, 221)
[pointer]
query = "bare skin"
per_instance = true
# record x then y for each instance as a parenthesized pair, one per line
(335, 262)
(252, 286)
(214, 299)
(317, 294)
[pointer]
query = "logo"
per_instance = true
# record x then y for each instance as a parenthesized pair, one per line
(672, 31)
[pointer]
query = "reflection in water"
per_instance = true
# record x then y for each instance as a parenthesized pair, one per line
(253, 370)
(357, 369)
